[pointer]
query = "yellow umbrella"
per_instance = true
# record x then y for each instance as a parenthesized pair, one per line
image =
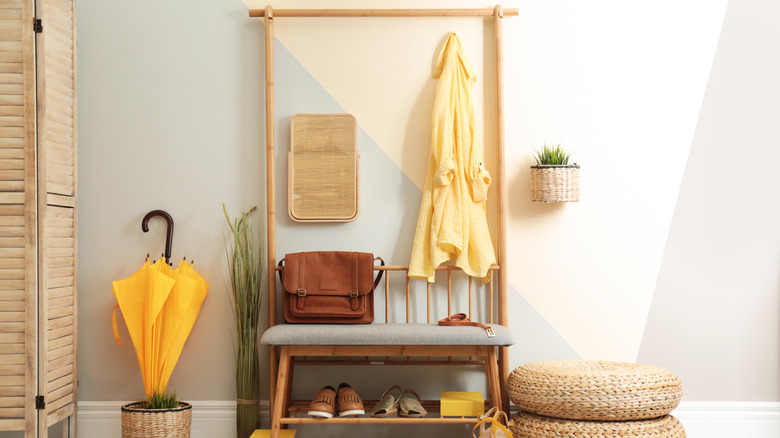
(141, 298)
(187, 307)
(160, 306)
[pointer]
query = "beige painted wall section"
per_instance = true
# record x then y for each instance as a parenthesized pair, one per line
(379, 68)
(619, 83)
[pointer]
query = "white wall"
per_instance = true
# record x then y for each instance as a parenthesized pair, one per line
(715, 312)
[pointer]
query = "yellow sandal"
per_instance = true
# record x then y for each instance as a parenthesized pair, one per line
(490, 426)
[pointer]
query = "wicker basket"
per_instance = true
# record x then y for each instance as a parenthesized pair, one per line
(555, 183)
(594, 390)
(138, 422)
(528, 425)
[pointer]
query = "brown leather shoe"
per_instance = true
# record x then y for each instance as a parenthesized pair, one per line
(349, 403)
(323, 405)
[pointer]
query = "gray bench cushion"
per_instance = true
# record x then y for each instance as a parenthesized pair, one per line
(383, 334)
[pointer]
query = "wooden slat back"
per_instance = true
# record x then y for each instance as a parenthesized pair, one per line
(427, 302)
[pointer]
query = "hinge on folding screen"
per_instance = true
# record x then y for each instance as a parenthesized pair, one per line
(37, 25)
(40, 402)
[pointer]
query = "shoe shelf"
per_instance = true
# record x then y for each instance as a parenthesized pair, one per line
(297, 415)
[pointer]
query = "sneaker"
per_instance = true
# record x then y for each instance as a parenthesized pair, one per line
(323, 405)
(349, 403)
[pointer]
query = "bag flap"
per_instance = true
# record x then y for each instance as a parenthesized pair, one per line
(329, 272)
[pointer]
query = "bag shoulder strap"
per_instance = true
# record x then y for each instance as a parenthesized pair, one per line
(376, 280)
(381, 271)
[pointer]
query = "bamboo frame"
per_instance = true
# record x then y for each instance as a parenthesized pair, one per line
(503, 201)
(496, 365)
(269, 184)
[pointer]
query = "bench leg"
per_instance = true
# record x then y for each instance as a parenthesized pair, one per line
(493, 381)
(287, 395)
(272, 368)
(503, 375)
(280, 397)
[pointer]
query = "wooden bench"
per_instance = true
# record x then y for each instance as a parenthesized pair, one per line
(388, 343)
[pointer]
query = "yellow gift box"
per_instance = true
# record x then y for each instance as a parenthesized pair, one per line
(266, 433)
(462, 404)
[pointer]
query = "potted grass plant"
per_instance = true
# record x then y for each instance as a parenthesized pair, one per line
(160, 415)
(553, 179)
(247, 279)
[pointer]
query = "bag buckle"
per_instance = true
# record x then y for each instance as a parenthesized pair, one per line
(354, 293)
(490, 332)
(301, 292)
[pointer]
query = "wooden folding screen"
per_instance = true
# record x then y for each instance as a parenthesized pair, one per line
(38, 323)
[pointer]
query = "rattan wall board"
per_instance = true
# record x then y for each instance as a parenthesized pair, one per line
(323, 168)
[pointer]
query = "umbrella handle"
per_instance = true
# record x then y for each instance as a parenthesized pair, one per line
(169, 232)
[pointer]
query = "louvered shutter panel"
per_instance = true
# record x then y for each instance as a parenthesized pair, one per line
(56, 191)
(38, 317)
(18, 234)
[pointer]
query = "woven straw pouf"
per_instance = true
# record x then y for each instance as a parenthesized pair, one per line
(594, 390)
(528, 425)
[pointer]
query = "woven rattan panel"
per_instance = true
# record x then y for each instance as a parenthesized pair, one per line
(323, 178)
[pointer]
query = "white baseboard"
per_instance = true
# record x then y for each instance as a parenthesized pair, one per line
(217, 419)
(730, 419)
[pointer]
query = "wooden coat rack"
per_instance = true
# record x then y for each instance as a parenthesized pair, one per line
(269, 15)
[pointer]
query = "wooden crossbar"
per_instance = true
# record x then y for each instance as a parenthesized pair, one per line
(343, 13)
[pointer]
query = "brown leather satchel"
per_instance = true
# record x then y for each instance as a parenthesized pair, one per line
(331, 287)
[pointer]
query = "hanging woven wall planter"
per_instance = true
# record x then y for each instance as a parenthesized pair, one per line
(555, 183)
(138, 422)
